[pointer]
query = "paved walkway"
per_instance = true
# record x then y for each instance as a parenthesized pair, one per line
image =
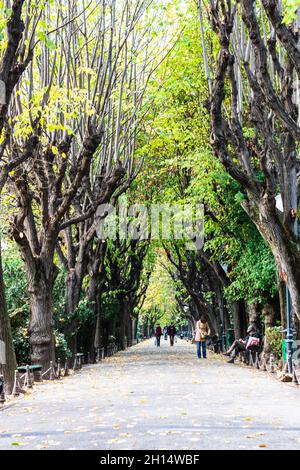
(146, 398)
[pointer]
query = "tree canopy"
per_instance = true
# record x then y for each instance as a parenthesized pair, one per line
(184, 103)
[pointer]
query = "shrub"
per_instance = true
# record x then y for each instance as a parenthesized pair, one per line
(61, 346)
(274, 339)
(111, 340)
(21, 345)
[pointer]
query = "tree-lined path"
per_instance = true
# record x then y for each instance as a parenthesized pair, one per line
(148, 398)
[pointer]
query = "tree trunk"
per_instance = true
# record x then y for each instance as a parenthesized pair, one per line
(95, 290)
(285, 250)
(6, 336)
(129, 331)
(212, 313)
(134, 331)
(122, 324)
(253, 314)
(98, 338)
(41, 328)
(86, 339)
(239, 319)
(73, 289)
(282, 300)
(94, 296)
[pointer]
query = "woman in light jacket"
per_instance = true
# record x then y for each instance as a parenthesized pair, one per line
(201, 334)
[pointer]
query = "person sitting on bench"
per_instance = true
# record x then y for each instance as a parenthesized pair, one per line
(250, 343)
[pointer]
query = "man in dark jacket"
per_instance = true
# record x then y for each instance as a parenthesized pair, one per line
(172, 333)
(241, 344)
(157, 334)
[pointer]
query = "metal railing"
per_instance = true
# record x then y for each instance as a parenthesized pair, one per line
(260, 362)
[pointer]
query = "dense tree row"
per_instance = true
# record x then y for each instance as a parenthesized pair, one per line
(75, 78)
(155, 102)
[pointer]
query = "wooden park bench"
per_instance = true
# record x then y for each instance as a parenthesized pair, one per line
(78, 361)
(35, 370)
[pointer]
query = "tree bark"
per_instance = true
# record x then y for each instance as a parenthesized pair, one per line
(129, 331)
(284, 249)
(95, 290)
(41, 317)
(73, 289)
(282, 302)
(253, 314)
(94, 295)
(123, 319)
(239, 319)
(134, 330)
(6, 336)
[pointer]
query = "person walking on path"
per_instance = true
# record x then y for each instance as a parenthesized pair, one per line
(165, 333)
(172, 333)
(157, 334)
(201, 334)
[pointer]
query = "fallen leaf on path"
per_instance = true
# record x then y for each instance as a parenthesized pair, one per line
(257, 434)
(52, 443)
(112, 441)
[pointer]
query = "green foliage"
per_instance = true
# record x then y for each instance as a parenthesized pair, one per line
(179, 122)
(62, 351)
(209, 296)
(16, 287)
(21, 342)
(110, 305)
(18, 307)
(83, 312)
(160, 304)
(181, 168)
(17, 303)
(59, 292)
(274, 339)
(111, 339)
(254, 275)
(290, 9)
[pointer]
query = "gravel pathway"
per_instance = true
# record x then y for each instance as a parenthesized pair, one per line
(151, 398)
